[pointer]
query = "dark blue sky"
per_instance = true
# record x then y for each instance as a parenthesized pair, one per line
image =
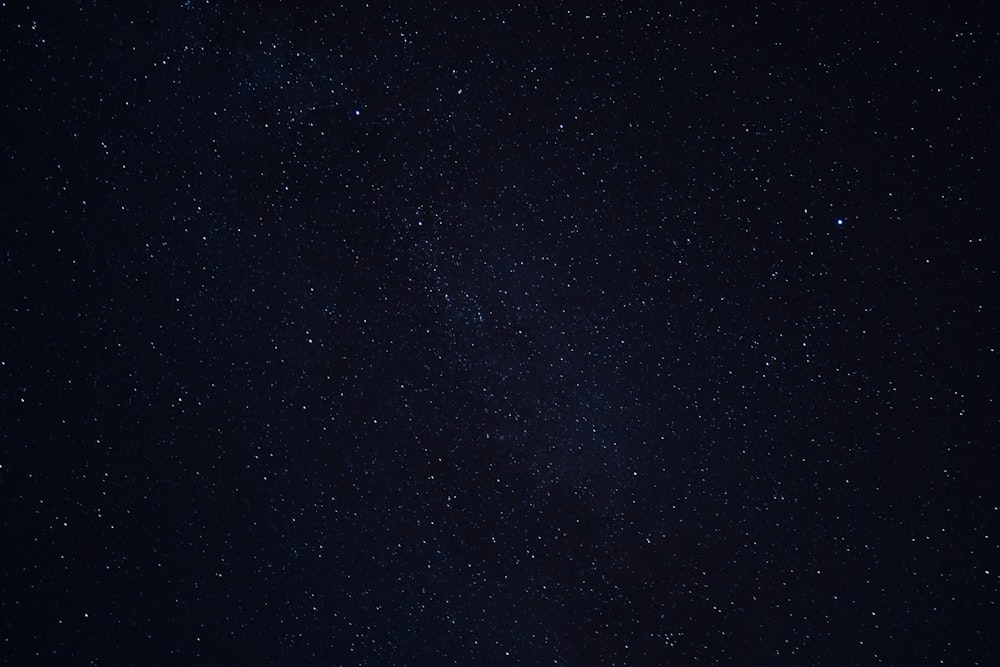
(533, 335)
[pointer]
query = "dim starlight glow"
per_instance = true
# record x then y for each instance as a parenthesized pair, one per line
(624, 399)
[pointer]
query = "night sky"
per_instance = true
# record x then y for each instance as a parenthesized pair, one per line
(530, 335)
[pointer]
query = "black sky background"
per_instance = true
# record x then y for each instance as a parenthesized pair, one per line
(645, 334)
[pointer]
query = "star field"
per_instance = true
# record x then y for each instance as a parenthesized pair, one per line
(532, 335)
